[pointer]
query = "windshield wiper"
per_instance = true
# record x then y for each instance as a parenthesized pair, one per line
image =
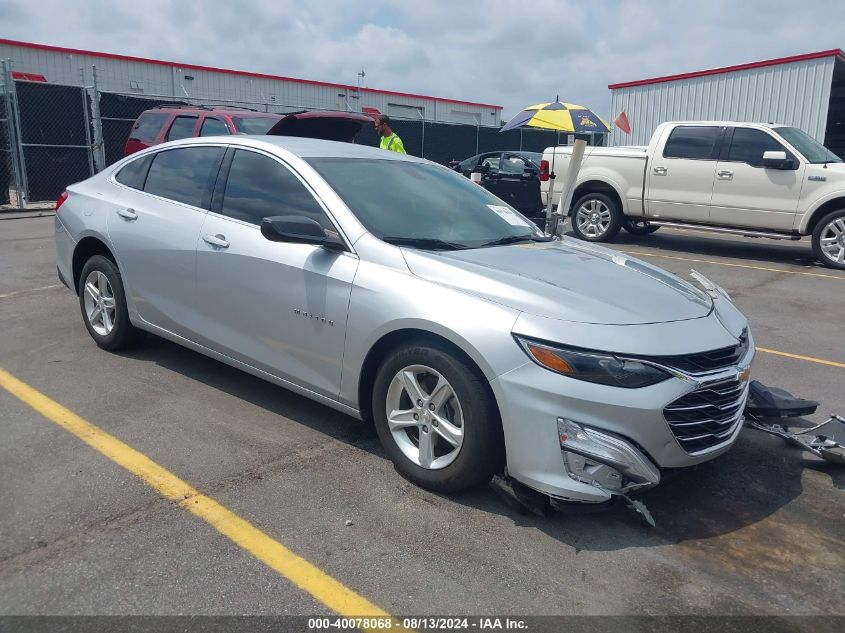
(513, 239)
(424, 242)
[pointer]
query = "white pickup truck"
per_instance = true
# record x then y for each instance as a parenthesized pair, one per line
(752, 179)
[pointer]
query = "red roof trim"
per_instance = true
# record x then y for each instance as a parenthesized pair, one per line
(835, 52)
(228, 71)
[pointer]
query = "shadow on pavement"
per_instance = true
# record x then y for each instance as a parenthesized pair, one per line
(753, 481)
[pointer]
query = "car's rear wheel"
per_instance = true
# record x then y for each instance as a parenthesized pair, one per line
(103, 304)
(639, 227)
(829, 240)
(436, 418)
(596, 218)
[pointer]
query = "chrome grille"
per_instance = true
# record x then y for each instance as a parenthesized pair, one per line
(707, 416)
(707, 361)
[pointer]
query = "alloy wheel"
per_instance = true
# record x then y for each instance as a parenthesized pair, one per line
(425, 417)
(832, 240)
(593, 218)
(99, 303)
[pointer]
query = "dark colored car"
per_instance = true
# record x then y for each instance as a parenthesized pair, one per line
(172, 122)
(513, 176)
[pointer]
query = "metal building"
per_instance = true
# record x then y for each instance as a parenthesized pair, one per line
(805, 91)
(156, 79)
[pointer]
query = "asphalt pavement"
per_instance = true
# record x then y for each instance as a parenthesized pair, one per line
(758, 531)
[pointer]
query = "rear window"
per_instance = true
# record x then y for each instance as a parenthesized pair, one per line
(134, 173)
(183, 174)
(213, 127)
(695, 142)
(148, 127)
(183, 127)
(254, 124)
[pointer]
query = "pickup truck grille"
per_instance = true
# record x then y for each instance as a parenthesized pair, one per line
(707, 416)
(706, 361)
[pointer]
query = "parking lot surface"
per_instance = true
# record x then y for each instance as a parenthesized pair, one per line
(757, 531)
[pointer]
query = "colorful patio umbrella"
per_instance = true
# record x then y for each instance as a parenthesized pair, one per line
(564, 117)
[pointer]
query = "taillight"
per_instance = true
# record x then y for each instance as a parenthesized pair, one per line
(544, 170)
(61, 200)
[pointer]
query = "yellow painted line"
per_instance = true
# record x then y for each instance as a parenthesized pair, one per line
(810, 359)
(330, 592)
(30, 291)
(710, 261)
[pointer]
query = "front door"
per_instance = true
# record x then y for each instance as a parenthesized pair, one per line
(747, 194)
(280, 307)
(519, 184)
(680, 178)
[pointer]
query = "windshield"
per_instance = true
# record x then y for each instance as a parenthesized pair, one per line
(254, 124)
(812, 150)
(405, 202)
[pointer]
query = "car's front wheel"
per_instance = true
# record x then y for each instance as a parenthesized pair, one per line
(437, 419)
(829, 240)
(596, 218)
(103, 304)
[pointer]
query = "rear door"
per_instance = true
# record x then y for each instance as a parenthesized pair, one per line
(680, 179)
(154, 230)
(212, 126)
(280, 307)
(519, 184)
(746, 193)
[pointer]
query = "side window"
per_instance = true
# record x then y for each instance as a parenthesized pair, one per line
(259, 187)
(134, 174)
(213, 127)
(183, 174)
(491, 161)
(698, 143)
(748, 146)
(514, 164)
(182, 127)
(147, 127)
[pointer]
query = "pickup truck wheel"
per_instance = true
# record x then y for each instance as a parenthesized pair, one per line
(829, 240)
(638, 227)
(596, 218)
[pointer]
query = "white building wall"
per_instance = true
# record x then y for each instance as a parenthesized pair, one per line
(158, 80)
(796, 93)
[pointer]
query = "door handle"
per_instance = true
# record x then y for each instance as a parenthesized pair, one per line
(660, 171)
(128, 214)
(724, 174)
(216, 240)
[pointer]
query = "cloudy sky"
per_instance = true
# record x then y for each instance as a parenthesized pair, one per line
(509, 53)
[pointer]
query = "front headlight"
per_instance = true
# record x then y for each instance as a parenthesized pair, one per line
(598, 367)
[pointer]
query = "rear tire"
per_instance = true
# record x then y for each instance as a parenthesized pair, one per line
(639, 227)
(103, 304)
(464, 410)
(596, 217)
(829, 240)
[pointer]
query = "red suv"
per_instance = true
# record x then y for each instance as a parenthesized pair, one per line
(171, 122)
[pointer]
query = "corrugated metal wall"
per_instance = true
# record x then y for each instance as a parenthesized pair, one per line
(795, 94)
(154, 80)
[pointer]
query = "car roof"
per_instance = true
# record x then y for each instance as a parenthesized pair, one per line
(231, 110)
(297, 145)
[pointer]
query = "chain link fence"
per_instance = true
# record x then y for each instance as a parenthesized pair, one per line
(53, 135)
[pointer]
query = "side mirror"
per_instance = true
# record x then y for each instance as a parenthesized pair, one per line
(484, 169)
(777, 160)
(299, 230)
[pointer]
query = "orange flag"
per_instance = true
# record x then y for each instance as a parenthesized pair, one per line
(622, 122)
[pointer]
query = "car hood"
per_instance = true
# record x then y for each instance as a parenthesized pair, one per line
(328, 126)
(569, 280)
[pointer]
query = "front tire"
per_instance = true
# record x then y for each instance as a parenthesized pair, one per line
(103, 304)
(829, 240)
(596, 217)
(436, 418)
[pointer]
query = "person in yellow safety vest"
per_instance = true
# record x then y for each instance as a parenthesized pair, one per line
(389, 140)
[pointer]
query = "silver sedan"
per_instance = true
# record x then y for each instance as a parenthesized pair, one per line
(394, 289)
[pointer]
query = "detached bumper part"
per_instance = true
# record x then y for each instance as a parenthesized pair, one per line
(603, 460)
